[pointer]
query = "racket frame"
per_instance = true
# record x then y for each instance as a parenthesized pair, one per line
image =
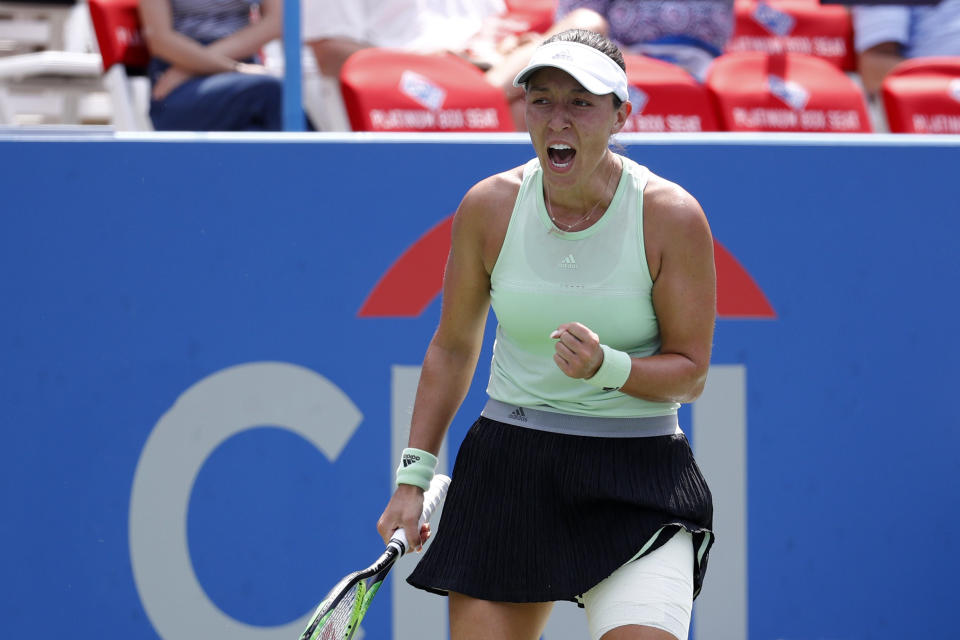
(396, 547)
(378, 571)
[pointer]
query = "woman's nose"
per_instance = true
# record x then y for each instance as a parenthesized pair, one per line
(559, 118)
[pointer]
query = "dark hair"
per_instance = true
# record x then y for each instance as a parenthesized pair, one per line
(597, 41)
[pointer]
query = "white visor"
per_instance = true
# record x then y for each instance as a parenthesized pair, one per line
(593, 69)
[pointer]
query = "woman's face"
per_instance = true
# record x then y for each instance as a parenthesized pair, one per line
(570, 127)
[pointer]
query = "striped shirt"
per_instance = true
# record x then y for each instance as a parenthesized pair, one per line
(210, 20)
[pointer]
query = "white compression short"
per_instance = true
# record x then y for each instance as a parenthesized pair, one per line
(654, 591)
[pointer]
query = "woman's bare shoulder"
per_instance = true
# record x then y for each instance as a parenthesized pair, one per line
(484, 214)
(494, 192)
(663, 198)
(674, 223)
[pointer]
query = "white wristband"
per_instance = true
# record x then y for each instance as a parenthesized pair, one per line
(613, 371)
(416, 468)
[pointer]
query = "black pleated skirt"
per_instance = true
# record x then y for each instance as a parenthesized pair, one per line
(536, 516)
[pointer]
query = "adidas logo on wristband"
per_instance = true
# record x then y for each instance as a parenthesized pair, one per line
(416, 468)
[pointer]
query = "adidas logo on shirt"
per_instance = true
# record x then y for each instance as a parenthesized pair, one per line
(568, 262)
(518, 414)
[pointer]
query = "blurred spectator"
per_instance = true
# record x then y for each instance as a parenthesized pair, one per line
(689, 33)
(886, 35)
(334, 29)
(204, 72)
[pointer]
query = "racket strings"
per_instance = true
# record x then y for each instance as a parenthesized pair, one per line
(340, 622)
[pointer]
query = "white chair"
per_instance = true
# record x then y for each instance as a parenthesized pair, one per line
(72, 75)
(27, 27)
(41, 71)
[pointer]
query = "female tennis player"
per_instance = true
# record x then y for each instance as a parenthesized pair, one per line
(576, 483)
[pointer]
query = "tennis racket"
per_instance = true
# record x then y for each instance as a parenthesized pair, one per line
(339, 614)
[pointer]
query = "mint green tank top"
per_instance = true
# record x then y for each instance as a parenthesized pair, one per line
(545, 277)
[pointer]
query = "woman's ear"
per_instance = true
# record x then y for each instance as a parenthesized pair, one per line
(626, 108)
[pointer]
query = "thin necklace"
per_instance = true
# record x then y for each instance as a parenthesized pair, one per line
(584, 218)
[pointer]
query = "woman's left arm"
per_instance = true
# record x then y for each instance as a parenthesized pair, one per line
(684, 298)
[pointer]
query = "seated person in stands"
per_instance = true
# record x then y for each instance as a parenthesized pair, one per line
(472, 29)
(886, 35)
(335, 29)
(204, 71)
(688, 33)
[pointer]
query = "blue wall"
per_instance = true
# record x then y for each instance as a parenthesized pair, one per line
(133, 269)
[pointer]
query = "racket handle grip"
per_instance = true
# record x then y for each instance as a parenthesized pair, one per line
(431, 500)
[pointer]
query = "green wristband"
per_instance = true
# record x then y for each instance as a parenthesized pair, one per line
(613, 371)
(416, 468)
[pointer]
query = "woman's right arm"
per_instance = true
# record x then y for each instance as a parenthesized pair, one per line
(451, 357)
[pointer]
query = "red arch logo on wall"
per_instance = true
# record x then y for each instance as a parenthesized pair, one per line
(415, 279)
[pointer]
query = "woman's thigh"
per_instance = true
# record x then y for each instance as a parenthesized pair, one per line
(653, 593)
(475, 619)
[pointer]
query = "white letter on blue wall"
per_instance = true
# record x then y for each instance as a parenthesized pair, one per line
(208, 413)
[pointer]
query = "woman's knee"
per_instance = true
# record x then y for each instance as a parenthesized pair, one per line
(258, 101)
(637, 632)
(262, 87)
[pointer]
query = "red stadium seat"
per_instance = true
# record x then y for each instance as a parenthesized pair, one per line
(388, 90)
(666, 98)
(922, 95)
(117, 27)
(123, 48)
(794, 26)
(790, 92)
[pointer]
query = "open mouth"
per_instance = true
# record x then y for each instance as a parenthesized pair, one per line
(561, 155)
